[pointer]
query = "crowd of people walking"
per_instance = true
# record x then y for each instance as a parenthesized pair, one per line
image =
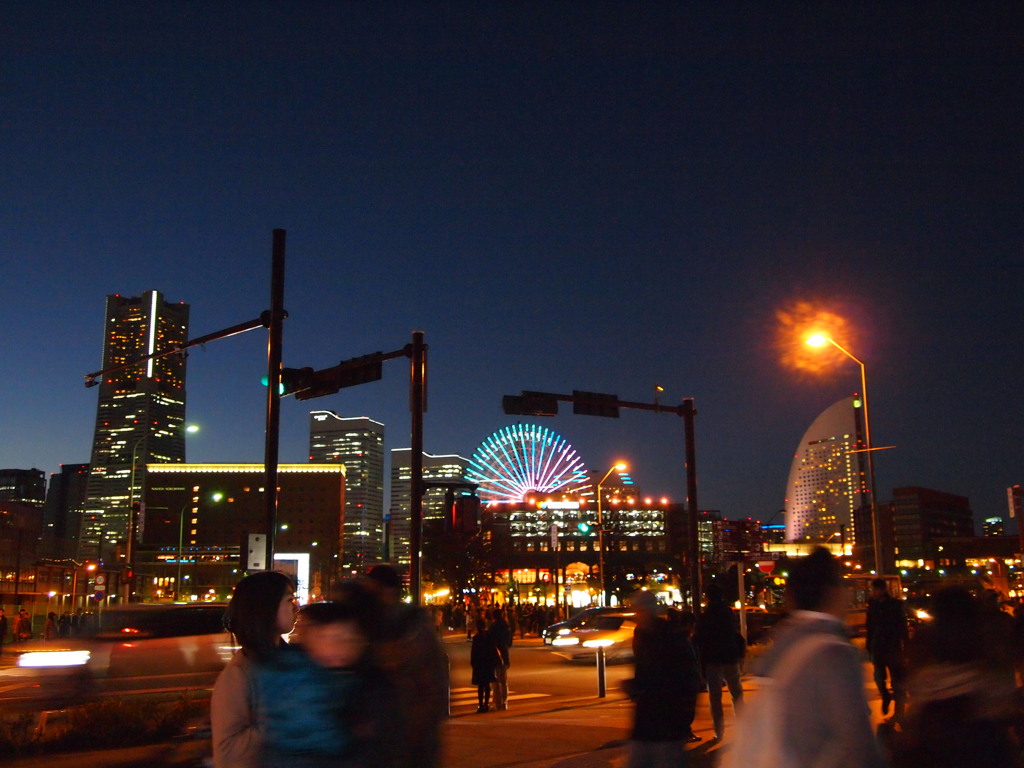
(21, 629)
(363, 680)
(951, 693)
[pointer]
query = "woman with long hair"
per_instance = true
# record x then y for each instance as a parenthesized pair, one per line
(261, 610)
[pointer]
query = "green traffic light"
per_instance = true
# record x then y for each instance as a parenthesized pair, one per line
(266, 382)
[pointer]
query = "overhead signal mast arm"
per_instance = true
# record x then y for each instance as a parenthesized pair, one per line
(91, 378)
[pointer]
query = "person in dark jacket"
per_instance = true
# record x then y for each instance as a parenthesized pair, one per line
(687, 622)
(666, 681)
(720, 646)
(484, 659)
(887, 637)
(502, 634)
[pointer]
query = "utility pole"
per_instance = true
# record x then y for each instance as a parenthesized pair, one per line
(418, 406)
(275, 325)
(531, 403)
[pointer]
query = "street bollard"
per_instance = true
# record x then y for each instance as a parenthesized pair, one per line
(600, 672)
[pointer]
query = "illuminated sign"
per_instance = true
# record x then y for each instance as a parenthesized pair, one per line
(558, 505)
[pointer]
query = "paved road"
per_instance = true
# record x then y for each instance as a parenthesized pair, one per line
(536, 673)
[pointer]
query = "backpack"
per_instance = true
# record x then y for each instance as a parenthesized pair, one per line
(759, 741)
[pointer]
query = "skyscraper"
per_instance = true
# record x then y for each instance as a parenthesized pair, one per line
(140, 417)
(62, 513)
(827, 478)
(436, 469)
(358, 443)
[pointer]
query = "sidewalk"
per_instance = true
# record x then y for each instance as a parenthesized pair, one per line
(584, 732)
(581, 733)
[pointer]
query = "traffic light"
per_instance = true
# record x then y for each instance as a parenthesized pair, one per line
(466, 514)
(584, 527)
(305, 383)
(595, 404)
(353, 372)
(530, 404)
(347, 373)
(292, 380)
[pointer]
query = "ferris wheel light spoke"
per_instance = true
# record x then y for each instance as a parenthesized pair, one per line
(522, 458)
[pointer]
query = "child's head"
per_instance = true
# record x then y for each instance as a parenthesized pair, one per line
(332, 634)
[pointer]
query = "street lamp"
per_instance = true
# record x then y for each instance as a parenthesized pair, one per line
(600, 529)
(181, 530)
(820, 340)
(133, 518)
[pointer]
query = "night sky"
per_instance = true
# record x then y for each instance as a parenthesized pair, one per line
(594, 196)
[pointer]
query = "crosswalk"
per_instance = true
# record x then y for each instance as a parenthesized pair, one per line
(460, 698)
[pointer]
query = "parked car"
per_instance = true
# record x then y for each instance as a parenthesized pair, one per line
(552, 631)
(144, 640)
(611, 631)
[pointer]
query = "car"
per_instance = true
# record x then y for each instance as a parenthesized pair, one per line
(611, 631)
(185, 641)
(552, 631)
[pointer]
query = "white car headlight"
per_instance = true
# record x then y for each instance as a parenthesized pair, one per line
(599, 643)
(566, 641)
(37, 659)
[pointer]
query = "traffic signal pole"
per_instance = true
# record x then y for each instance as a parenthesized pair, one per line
(531, 403)
(687, 413)
(274, 342)
(418, 406)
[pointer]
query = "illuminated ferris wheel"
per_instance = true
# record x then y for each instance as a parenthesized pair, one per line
(525, 457)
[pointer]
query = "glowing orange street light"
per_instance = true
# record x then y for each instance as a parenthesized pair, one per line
(820, 340)
(620, 467)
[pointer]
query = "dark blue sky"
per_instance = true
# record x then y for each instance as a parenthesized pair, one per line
(560, 195)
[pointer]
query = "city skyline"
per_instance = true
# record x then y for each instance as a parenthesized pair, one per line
(592, 198)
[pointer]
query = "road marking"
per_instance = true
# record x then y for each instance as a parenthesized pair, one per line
(467, 696)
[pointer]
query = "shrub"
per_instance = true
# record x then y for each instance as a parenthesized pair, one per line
(107, 724)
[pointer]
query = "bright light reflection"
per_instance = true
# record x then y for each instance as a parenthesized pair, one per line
(38, 659)
(566, 641)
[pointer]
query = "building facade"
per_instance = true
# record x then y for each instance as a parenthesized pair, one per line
(438, 470)
(62, 513)
(21, 530)
(140, 416)
(554, 547)
(828, 477)
(920, 516)
(198, 518)
(358, 443)
(27, 486)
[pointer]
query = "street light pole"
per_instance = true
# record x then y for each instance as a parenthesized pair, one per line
(600, 532)
(129, 547)
(819, 340)
(181, 531)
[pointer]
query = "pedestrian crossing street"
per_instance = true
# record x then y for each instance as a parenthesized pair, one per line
(466, 697)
